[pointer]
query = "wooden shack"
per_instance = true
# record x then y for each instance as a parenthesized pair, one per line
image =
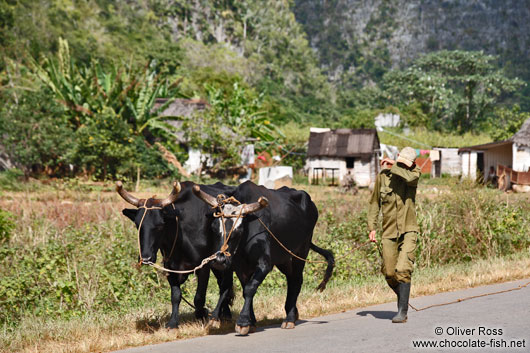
(513, 153)
(334, 154)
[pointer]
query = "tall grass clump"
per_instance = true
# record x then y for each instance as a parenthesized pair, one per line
(76, 272)
(6, 226)
(470, 224)
(463, 224)
(10, 180)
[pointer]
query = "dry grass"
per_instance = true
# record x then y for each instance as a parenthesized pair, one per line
(56, 210)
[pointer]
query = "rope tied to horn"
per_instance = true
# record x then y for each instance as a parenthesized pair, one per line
(159, 205)
(222, 200)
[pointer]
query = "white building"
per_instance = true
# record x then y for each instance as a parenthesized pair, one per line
(449, 162)
(513, 153)
(386, 120)
(332, 154)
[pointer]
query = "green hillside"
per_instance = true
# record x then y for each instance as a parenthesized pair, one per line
(87, 73)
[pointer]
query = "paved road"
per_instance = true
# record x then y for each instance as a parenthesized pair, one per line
(490, 321)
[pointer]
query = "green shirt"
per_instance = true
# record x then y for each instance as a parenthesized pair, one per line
(395, 196)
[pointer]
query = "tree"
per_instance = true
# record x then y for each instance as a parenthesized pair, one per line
(457, 89)
(504, 123)
(108, 108)
(233, 119)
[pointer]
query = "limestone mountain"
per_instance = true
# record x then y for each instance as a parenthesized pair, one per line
(367, 37)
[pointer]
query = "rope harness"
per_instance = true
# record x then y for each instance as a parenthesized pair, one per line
(222, 200)
(158, 267)
(471, 297)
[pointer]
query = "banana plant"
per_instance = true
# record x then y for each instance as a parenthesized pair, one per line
(90, 90)
(243, 112)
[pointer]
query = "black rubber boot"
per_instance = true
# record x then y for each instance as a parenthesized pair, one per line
(403, 303)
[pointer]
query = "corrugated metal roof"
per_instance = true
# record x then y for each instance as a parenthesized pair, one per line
(521, 137)
(180, 107)
(343, 143)
(485, 146)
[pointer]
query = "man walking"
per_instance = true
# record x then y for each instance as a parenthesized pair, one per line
(395, 196)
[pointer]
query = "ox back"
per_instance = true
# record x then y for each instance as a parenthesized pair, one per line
(291, 216)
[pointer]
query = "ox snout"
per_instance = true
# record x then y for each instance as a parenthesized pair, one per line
(221, 261)
(148, 260)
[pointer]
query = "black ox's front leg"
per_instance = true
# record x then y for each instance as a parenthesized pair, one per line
(226, 295)
(246, 317)
(175, 281)
(203, 275)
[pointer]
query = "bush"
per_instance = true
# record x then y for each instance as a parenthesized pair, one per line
(10, 179)
(103, 146)
(6, 226)
(470, 224)
(85, 270)
(35, 133)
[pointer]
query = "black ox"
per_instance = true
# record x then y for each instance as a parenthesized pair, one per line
(247, 247)
(180, 227)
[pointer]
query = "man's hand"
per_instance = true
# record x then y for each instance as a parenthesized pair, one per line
(387, 162)
(372, 236)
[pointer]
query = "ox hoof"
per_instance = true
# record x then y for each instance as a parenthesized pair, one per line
(242, 330)
(288, 325)
(201, 314)
(172, 326)
(214, 323)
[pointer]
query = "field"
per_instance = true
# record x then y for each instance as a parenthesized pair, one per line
(68, 281)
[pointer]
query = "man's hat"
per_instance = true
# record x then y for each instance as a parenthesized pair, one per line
(407, 156)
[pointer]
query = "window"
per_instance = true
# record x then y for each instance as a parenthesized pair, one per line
(349, 162)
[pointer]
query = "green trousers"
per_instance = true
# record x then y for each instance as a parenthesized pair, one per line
(398, 258)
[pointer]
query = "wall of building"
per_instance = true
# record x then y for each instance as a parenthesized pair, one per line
(521, 158)
(450, 161)
(364, 170)
(498, 155)
(326, 162)
(469, 164)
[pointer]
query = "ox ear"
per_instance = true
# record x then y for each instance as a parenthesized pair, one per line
(130, 213)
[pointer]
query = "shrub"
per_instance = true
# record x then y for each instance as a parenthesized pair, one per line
(83, 270)
(103, 146)
(35, 133)
(10, 179)
(6, 226)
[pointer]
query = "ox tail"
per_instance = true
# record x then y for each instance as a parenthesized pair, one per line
(328, 255)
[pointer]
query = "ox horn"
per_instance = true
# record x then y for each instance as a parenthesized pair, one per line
(172, 197)
(256, 206)
(126, 196)
(210, 200)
